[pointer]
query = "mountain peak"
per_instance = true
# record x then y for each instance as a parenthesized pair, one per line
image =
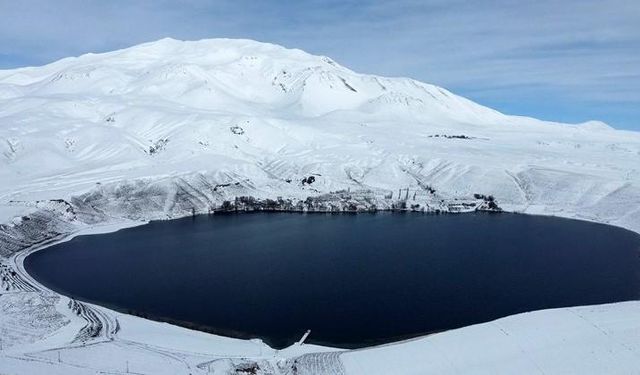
(204, 47)
(595, 125)
(240, 76)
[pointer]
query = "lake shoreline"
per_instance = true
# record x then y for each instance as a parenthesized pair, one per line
(235, 334)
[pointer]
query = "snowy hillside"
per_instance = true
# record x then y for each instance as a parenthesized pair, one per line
(171, 128)
(238, 110)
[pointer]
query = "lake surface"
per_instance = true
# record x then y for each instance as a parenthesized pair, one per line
(354, 280)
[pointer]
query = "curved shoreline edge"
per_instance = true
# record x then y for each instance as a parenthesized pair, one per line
(109, 325)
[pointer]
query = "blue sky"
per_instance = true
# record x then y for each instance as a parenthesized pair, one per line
(569, 60)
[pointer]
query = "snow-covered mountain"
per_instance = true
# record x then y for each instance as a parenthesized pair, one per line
(239, 110)
(171, 128)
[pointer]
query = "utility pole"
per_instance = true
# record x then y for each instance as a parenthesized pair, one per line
(59, 361)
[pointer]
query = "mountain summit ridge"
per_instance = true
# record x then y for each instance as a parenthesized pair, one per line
(223, 111)
(243, 70)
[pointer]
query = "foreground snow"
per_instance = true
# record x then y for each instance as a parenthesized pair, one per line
(172, 128)
(601, 339)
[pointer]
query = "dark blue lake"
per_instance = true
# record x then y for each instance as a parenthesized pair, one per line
(354, 280)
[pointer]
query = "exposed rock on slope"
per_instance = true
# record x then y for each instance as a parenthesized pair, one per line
(269, 117)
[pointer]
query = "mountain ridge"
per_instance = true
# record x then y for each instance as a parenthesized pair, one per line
(249, 111)
(214, 63)
(167, 47)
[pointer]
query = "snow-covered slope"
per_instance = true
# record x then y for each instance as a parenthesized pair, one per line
(240, 110)
(170, 128)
